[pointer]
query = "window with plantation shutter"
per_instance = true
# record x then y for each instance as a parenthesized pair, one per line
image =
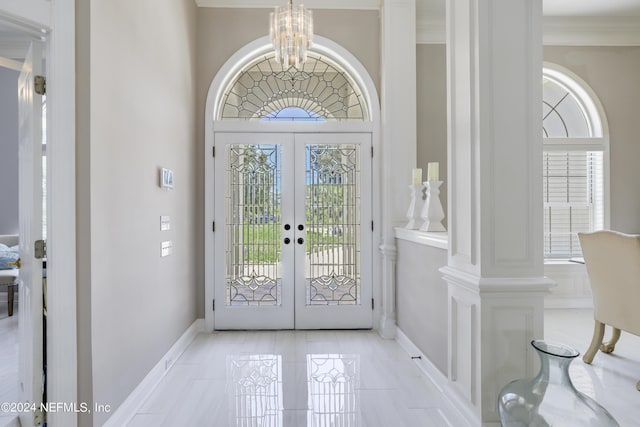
(573, 165)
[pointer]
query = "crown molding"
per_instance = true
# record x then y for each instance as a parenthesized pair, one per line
(558, 31)
(311, 4)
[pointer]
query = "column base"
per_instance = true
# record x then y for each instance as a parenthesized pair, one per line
(388, 328)
(491, 323)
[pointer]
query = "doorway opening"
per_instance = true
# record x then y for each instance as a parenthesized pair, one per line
(294, 237)
(291, 192)
(24, 230)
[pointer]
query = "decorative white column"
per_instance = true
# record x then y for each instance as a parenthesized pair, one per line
(398, 157)
(495, 270)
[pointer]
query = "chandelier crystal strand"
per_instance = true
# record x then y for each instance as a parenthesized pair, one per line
(291, 32)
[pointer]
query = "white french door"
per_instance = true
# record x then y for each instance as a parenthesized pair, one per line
(30, 223)
(293, 231)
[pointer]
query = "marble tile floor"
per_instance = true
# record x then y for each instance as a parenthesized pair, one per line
(294, 378)
(611, 378)
(351, 378)
(216, 381)
(8, 360)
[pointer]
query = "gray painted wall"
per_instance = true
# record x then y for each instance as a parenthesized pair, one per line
(141, 116)
(8, 151)
(221, 32)
(612, 72)
(431, 86)
(421, 299)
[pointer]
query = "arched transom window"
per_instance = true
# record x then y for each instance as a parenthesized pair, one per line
(573, 163)
(320, 91)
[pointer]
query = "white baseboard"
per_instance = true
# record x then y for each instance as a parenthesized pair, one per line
(127, 410)
(457, 412)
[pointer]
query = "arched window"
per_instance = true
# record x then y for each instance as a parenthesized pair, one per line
(573, 162)
(320, 91)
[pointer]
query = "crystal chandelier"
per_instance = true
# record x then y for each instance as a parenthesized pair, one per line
(291, 31)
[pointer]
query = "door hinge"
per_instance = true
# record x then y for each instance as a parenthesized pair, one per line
(372, 304)
(371, 151)
(371, 225)
(213, 226)
(40, 85)
(213, 305)
(40, 249)
(39, 417)
(213, 151)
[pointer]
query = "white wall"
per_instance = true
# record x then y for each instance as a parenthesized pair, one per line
(137, 101)
(8, 151)
(421, 298)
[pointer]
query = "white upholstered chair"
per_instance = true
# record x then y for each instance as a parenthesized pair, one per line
(613, 264)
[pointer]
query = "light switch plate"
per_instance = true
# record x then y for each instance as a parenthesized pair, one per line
(167, 248)
(165, 223)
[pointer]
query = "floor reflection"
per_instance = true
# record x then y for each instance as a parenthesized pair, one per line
(333, 384)
(256, 389)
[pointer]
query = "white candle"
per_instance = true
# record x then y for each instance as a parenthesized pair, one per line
(416, 176)
(433, 171)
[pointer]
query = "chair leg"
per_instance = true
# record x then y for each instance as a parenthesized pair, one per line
(609, 346)
(598, 334)
(10, 291)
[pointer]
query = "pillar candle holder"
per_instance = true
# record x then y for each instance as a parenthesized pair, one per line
(415, 207)
(432, 212)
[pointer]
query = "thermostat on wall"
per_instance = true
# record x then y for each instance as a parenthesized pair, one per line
(166, 178)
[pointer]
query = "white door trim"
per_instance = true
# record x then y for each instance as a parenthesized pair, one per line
(226, 73)
(62, 355)
(48, 17)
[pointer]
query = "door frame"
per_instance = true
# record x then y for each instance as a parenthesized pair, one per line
(292, 312)
(228, 71)
(54, 22)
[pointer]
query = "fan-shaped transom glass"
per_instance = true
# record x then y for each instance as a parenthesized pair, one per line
(563, 115)
(321, 89)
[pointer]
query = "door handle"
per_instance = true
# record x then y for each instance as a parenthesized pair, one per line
(300, 240)
(287, 240)
(17, 263)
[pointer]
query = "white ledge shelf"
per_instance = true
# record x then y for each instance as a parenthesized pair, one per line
(427, 238)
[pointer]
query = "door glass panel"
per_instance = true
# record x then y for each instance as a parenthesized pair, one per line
(332, 208)
(253, 230)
